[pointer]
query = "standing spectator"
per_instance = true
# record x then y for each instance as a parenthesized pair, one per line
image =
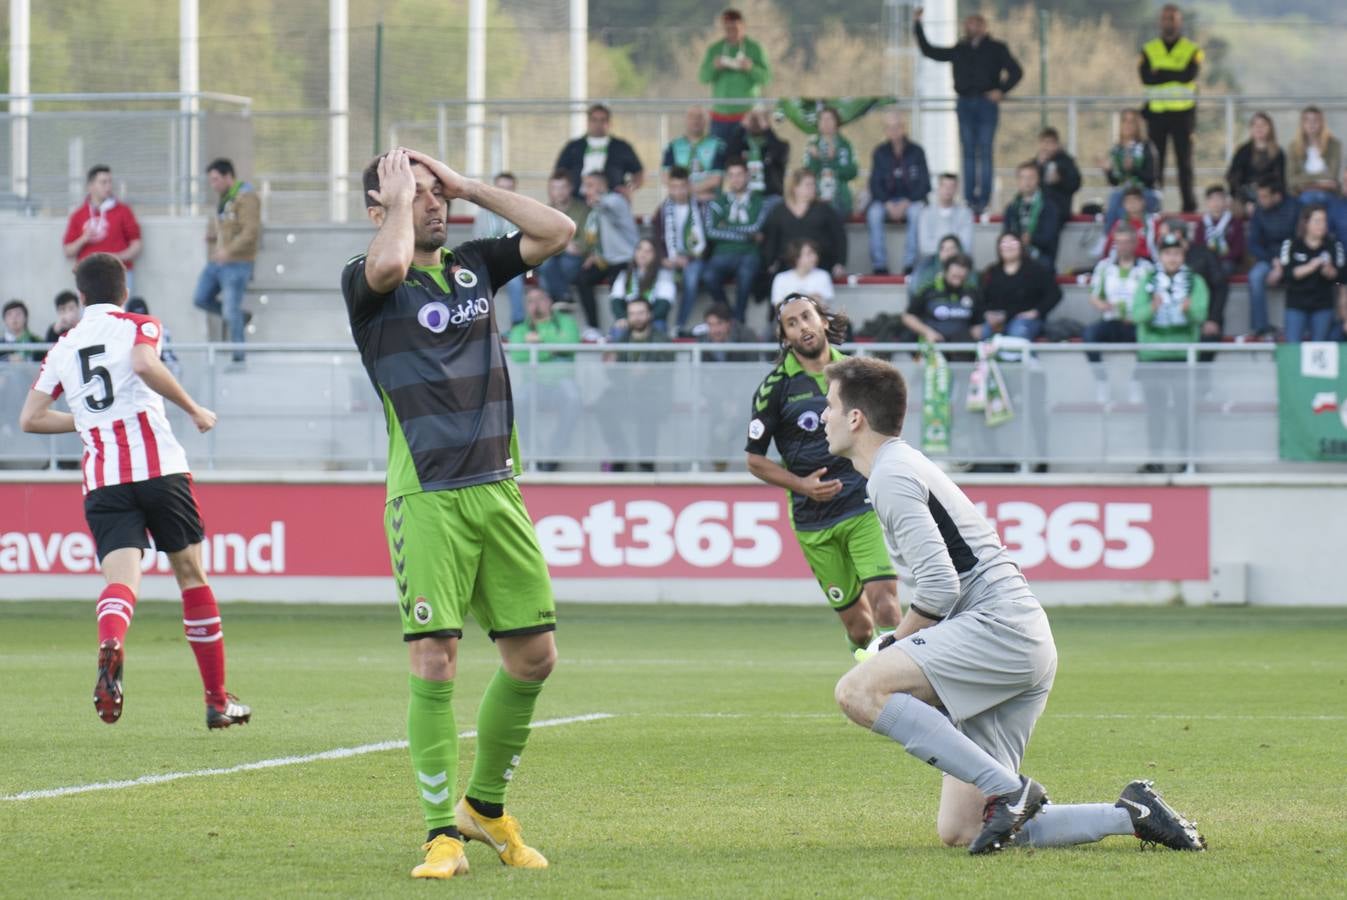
(1113, 287)
(734, 225)
(599, 151)
(1135, 219)
(723, 328)
(803, 275)
(803, 217)
(1313, 263)
(68, 311)
(1256, 159)
(1169, 68)
(1057, 172)
(930, 267)
(486, 224)
(984, 72)
(1316, 160)
(610, 237)
(767, 155)
(899, 183)
(948, 309)
(645, 279)
(557, 273)
(937, 221)
(1017, 292)
(736, 68)
(1222, 234)
(1273, 223)
(832, 159)
(232, 236)
(16, 329)
(102, 224)
(702, 154)
(553, 381)
(1130, 164)
(680, 234)
(1031, 216)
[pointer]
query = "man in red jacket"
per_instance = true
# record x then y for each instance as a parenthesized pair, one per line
(103, 224)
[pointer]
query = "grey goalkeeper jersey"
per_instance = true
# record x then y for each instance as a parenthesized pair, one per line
(935, 532)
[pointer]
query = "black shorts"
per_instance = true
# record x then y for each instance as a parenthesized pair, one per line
(119, 515)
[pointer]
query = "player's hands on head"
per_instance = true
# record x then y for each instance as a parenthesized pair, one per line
(454, 184)
(818, 490)
(397, 185)
(204, 419)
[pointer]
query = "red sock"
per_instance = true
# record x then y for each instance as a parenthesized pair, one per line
(115, 607)
(201, 621)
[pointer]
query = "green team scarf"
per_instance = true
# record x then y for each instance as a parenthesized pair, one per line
(935, 409)
(987, 391)
(802, 112)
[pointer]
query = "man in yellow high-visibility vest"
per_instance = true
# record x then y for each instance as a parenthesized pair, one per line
(1169, 67)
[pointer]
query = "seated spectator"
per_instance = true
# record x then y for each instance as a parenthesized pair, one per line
(804, 275)
(1256, 159)
(831, 158)
(899, 183)
(1222, 234)
(734, 225)
(1273, 223)
(1315, 160)
(637, 401)
(1017, 292)
(680, 235)
(767, 155)
(802, 217)
(610, 237)
(68, 312)
(1136, 220)
(949, 309)
(486, 224)
(1031, 216)
(16, 330)
(1130, 164)
(935, 222)
(138, 306)
(721, 327)
(646, 279)
(1113, 287)
(554, 379)
(929, 268)
(599, 151)
(103, 224)
(1057, 172)
(1313, 262)
(557, 273)
(701, 154)
(736, 68)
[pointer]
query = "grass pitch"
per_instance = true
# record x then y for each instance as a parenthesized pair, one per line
(725, 771)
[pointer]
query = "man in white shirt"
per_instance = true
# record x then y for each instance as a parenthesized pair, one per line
(1112, 287)
(944, 216)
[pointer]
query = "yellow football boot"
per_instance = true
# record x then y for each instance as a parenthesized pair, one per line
(444, 859)
(501, 835)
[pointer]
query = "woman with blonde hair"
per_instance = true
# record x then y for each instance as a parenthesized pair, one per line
(1130, 163)
(1257, 158)
(1316, 160)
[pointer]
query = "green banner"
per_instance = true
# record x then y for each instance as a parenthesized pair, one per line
(803, 112)
(935, 408)
(1312, 401)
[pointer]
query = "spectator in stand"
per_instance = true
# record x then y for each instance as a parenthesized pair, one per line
(103, 224)
(1057, 172)
(721, 327)
(702, 154)
(930, 267)
(767, 155)
(1113, 287)
(68, 312)
(1200, 260)
(949, 309)
(554, 378)
(832, 159)
(1018, 293)
(803, 275)
(719, 405)
(486, 224)
(1316, 160)
(1222, 234)
(984, 72)
(680, 234)
(646, 279)
(557, 273)
(1135, 219)
(138, 306)
(939, 220)
(1033, 217)
(1130, 164)
(1256, 159)
(1314, 264)
(1169, 68)
(736, 68)
(1273, 223)
(609, 240)
(803, 217)
(899, 183)
(599, 151)
(637, 401)
(232, 236)
(734, 225)
(16, 330)
(1168, 308)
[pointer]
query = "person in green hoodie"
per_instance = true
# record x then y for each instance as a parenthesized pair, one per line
(736, 68)
(549, 388)
(833, 161)
(734, 225)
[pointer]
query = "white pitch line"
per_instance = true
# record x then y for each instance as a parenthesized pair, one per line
(339, 753)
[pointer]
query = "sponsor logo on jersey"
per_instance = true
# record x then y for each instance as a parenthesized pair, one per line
(434, 316)
(808, 420)
(150, 330)
(756, 429)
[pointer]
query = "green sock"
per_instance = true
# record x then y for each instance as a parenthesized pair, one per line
(434, 746)
(502, 731)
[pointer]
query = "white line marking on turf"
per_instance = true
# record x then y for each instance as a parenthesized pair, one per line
(339, 753)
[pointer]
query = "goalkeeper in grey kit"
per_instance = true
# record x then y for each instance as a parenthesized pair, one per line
(967, 673)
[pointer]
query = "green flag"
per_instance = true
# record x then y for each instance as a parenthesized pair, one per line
(802, 112)
(1312, 401)
(935, 410)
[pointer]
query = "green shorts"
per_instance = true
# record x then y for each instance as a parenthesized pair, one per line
(470, 548)
(847, 556)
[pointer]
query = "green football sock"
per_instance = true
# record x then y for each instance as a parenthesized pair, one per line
(502, 731)
(434, 746)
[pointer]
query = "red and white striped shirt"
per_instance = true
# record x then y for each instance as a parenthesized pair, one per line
(119, 418)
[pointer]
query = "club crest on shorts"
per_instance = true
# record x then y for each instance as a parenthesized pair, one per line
(835, 593)
(421, 611)
(808, 421)
(434, 316)
(464, 278)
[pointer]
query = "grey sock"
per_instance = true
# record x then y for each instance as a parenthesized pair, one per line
(1080, 823)
(933, 739)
